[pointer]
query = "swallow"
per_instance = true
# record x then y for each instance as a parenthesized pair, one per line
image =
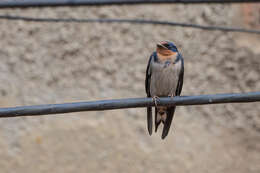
(164, 78)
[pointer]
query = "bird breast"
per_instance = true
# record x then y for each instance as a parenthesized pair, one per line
(164, 78)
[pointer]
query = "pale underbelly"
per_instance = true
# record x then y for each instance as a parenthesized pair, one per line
(163, 83)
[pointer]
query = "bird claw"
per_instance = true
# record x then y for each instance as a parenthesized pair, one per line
(155, 101)
(171, 95)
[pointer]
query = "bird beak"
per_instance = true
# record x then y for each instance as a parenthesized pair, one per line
(160, 45)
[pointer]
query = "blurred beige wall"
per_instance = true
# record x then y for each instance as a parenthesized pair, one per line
(44, 63)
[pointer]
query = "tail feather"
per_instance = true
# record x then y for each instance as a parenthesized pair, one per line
(156, 122)
(149, 120)
(170, 113)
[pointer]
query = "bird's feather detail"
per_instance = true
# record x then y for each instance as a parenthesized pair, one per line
(147, 88)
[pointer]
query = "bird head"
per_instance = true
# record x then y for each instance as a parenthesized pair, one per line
(166, 48)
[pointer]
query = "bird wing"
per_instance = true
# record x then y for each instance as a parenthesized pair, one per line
(170, 110)
(180, 80)
(148, 76)
(147, 88)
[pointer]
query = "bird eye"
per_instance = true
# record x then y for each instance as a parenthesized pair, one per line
(168, 46)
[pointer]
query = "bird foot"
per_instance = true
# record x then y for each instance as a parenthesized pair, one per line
(171, 95)
(155, 100)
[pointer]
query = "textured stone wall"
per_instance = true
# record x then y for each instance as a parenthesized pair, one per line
(63, 62)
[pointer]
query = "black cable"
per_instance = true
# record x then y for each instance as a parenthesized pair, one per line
(55, 3)
(133, 21)
(127, 103)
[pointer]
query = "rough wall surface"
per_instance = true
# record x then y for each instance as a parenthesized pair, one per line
(63, 62)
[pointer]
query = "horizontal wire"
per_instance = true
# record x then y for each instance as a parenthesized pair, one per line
(55, 3)
(128, 103)
(133, 21)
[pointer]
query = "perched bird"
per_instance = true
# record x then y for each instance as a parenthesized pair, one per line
(164, 77)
